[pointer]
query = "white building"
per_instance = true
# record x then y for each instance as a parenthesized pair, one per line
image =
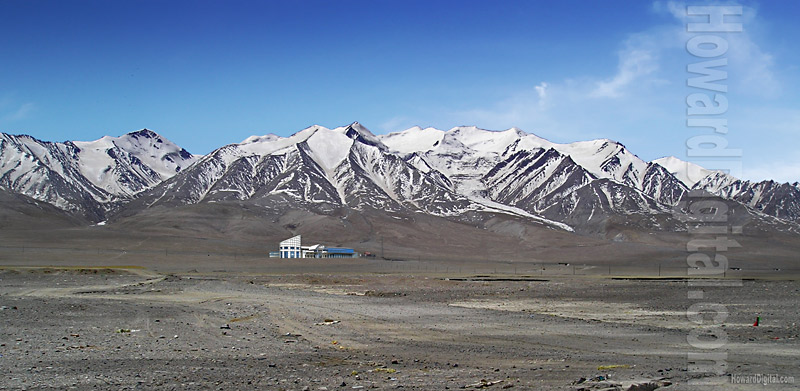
(291, 248)
(315, 251)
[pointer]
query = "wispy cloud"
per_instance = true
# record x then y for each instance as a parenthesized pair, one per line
(21, 112)
(634, 63)
(580, 107)
(525, 108)
(641, 101)
(396, 124)
(750, 66)
(755, 67)
(590, 105)
(541, 89)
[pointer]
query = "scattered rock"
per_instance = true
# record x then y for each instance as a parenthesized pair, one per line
(483, 384)
(649, 386)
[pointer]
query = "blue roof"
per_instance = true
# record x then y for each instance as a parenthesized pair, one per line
(338, 250)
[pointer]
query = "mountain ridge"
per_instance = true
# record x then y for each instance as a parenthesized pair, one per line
(463, 173)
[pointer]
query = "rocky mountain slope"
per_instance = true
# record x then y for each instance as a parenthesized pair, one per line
(464, 174)
(89, 178)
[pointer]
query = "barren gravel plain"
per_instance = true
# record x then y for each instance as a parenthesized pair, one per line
(128, 328)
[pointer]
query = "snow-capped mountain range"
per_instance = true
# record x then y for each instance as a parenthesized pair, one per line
(462, 174)
(89, 178)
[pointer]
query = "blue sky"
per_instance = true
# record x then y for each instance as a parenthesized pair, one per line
(209, 73)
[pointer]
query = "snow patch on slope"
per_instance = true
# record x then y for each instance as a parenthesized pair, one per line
(269, 144)
(602, 158)
(101, 161)
(688, 173)
(156, 152)
(486, 141)
(95, 162)
(413, 139)
(607, 159)
(329, 148)
(497, 207)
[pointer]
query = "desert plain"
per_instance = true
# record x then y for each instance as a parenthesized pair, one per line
(379, 324)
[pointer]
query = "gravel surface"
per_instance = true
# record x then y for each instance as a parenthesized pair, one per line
(132, 329)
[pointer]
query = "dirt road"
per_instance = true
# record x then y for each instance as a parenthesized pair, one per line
(133, 329)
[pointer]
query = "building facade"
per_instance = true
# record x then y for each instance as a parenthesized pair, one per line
(293, 248)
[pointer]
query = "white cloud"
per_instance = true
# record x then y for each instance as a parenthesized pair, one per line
(641, 102)
(675, 8)
(573, 108)
(541, 89)
(634, 63)
(750, 67)
(561, 111)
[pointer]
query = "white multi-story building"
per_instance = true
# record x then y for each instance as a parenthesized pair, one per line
(291, 248)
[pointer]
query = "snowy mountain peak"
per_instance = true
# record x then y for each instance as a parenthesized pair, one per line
(261, 139)
(89, 177)
(608, 159)
(313, 128)
(358, 132)
(688, 173)
(131, 163)
(271, 137)
(414, 139)
(316, 136)
(453, 173)
(486, 141)
(418, 139)
(146, 133)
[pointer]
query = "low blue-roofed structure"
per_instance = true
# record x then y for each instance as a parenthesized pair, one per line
(339, 252)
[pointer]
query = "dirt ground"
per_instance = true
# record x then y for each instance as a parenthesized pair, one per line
(136, 329)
